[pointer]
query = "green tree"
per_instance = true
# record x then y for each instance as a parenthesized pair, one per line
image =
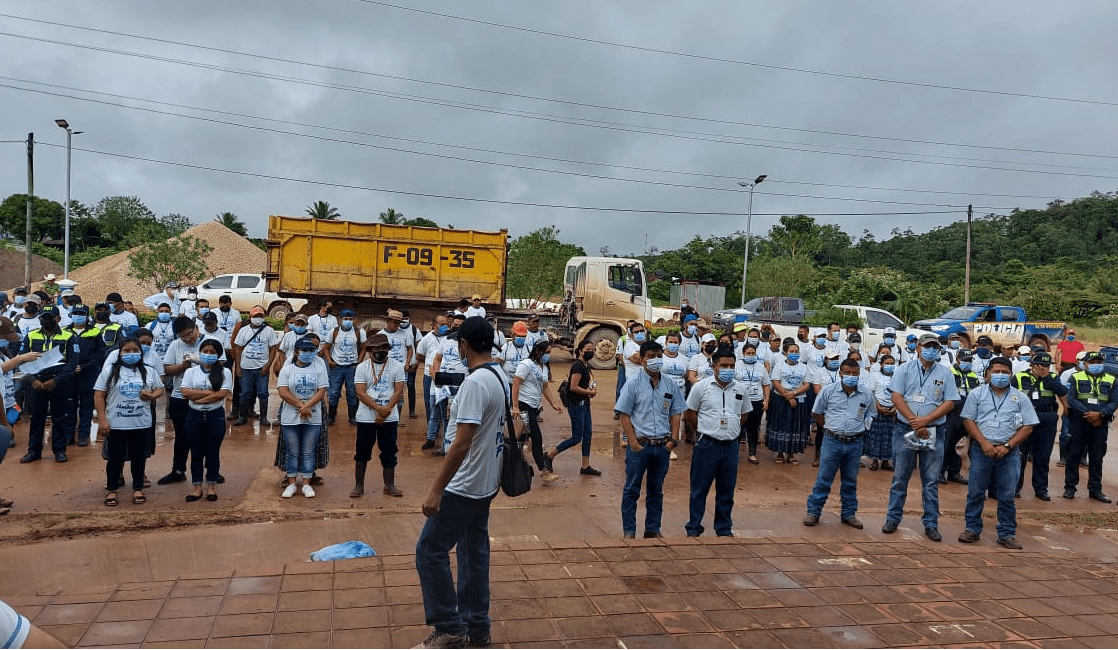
(794, 236)
(392, 217)
(121, 219)
(230, 221)
(536, 264)
(322, 210)
(180, 259)
(47, 218)
(421, 221)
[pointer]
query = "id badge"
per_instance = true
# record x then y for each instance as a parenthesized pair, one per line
(667, 405)
(1035, 395)
(992, 425)
(1092, 400)
(919, 399)
(722, 423)
(800, 398)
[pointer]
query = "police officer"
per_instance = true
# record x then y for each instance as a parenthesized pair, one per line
(983, 352)
(1047, 395)
(111, 333)
(965, 381)
(51, 388)
(91, 355)
(1092, 400)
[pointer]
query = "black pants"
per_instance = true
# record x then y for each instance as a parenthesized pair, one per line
(206, 431)
(178, 409)
(534, 434)
(1039, 446)
(236, 396)
(752, 427)
(409, 383)
(1085, 437)
(131, 444)
(370, 435)
(955, 431)
(58, 403)
(81, 406)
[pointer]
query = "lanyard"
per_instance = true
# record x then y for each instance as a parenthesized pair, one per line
(373, 370)
(995, 404)
(924, 375)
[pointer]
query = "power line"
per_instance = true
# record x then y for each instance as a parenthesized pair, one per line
(697, 136)
(689, 55)
(541, 98)
(482, 200)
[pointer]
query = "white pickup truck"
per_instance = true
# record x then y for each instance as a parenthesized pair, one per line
(247, 290)
(874, 322)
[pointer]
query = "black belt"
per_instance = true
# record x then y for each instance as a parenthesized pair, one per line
(654, 442)
(842, 438)
(1049, 410)
(724, 443)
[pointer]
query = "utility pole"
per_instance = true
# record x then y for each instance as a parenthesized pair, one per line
(966, 285)
(30, 198)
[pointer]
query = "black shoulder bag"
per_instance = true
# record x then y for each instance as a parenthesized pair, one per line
(516, 473)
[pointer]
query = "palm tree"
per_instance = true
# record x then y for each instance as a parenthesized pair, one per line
(322, 210)
(390, 216)
(230, 221)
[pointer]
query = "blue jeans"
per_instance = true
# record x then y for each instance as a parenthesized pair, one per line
(652, 460)
(713, 463)
(5, 440)
(300, 441)
(620, 384)
(581, 428)
(843, 458)
(461, 523)
(438, 416)
(1004, 472)
(339, 374)
(904, 462)
(253, 384)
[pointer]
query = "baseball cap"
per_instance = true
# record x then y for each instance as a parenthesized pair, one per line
(171, 285)
(965, 355)
(209, 316)
(741, 327)
(1024, 349)
(256, 311)
(48, 310)
(348, 313)
(889, 330)
(80, 309)
(910, 337)
(35, 299)
(689, 317)
(925, 339)
(297, 318)
(533, 317)
(1081, 356)
(1094, 355)
(477, 333)
(520, 328)
(476, 296)
(114, 297)
(1041, 359)
(831, 354)
(854, 338)
(305, 344)
(101, 305)
(985, 340)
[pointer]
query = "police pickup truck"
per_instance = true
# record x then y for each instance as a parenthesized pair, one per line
(1006, 326)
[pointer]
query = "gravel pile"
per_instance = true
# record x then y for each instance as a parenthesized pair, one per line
(12, 265)
(231, 254)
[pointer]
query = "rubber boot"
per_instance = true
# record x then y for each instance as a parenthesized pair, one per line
(333, 414)
(242, 417)
(390, 483)
(264, 421)
(352, 414)
(358, 480)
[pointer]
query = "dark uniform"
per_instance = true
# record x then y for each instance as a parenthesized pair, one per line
(1090, 392)
(91, 355)
(966, 381)
(55, 399)
(1044, 393)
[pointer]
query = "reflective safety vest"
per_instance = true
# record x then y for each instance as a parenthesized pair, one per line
(1027, 383)
(1097, 387)
(111, 334)
(964, 381)
(39, 341)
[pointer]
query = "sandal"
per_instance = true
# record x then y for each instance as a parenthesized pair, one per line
(779, 460)
(139, 498)
(875, 465)
(753, 459)
(794, 461)
(111, 500)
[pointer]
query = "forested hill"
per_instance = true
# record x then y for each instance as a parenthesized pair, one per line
(1060, 262)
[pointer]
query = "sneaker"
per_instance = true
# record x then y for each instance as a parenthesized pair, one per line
(478, 641)
(1010, 542)
(308, 491)
(289, 491)
(443, 640)
(673, 456)
(889, 528)
(548, 477)
(589, 471)
(968, 537)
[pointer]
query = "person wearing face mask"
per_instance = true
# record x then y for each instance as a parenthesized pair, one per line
(879, 437)
(297, 329)
(1068, 350)
(1047, 395)
(535, 334)
(888, 340)
(699, 367)
(651, 410)
(205, 386)
(402, 340)
(111, 333)
(983, 352)
(302, 389)
(425, 350)
(124, 392)
(180, 357)
(380, 387)
(169, 296)
(1092, 401)
(91, 356)
(628, 357)
(10, 407)
(923, 393)
(998, 418)
(189, 306)
(1021, 359)
(254, 350)
(448, 370)
(228, 318)
(344, 352)
(529, 387)
(411, 368)
(689, 343)
(583, 388)
(752, 375)
(162, 331)
(854, 341)
(1065, 419)
(821, 377)
(52, 388)
(717, 408)
(119, 315)
(685, 310)
(772, 352)
(201, 308)
(834, 338)
(515, 349)
(954, 345)
(909, 353)
(19, 298)
(789, 417)
(814, 354)
(28, 319)
(966, 381)
(842, 410)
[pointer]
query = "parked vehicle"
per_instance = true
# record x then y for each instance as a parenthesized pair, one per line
(247, 290)
(773, 309)
(1005, 325)
(1110, 356)
(874, 322)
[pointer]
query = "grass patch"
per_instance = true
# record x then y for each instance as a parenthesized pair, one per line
(1097, 335)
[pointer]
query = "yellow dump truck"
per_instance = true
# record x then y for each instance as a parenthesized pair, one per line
(371, 267)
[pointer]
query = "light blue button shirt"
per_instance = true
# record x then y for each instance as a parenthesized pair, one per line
(651, 408)
(844, 414)
(998, 418)
(922, 390)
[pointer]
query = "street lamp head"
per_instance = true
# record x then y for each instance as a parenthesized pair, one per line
(760, 179)
(62, 123)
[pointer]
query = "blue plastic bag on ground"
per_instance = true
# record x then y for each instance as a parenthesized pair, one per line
(343, 551)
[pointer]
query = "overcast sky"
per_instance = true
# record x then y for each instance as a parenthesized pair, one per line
(703, 108)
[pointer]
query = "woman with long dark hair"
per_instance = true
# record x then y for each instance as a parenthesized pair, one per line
(583, 388)
(529, 387)
(787, 431)
(206, 385)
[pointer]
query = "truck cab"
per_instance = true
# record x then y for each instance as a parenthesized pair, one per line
(599, 295)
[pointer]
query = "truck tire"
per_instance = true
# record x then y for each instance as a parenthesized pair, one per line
(605, 348)
(279, 310)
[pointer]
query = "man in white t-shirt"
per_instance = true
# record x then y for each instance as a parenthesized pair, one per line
(227, 318)
(411, 368)
(380, 387)
(457, 507)
(425, 355)
(535, 334)
(447, 372)
(323, 322)
(169, 296)
(254, 349)
(345, 347)
(475, 308)
(126, 319)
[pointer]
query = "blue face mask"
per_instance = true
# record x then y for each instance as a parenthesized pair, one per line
(691, 329)
(965, 366)
(911, 347)
(347, 324)
(889, 341)
(202, 311)
(821, 341)
(298, 330)
(753, 340)
(443, 330)
(145, 348)
(850, 381)
(749, 360)
(954, 344)
(519, 341)
(983, 353)
(1095, 368)
(725, 375)
(639, 337)
(80, 320)
(545, 358)
(888, 368)
(1071, 337)
(673, 347)
(208, 358)
(164, 317)
(20, 300)
(654, 364)
(833, 365)
(835, 336)
(306, 358)
(999, 380)
(131, 358)
(794, 357)
(929, 354)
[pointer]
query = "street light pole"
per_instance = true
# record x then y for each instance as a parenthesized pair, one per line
(66, 251)
(748, 232)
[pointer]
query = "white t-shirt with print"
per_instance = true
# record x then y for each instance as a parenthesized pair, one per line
(380, 382)
(196, 378)
(303, 382)
(345, 346)
(532, 379)
(401, 340)
(255, 354)
(124, 408)
(482, 400)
